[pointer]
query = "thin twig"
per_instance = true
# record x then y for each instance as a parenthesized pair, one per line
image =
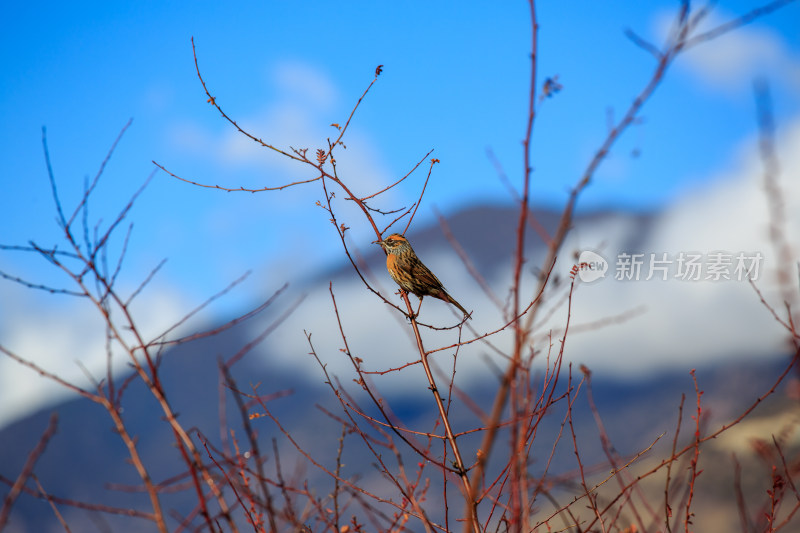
(27, 469)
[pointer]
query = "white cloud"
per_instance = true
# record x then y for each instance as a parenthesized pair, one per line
(64, 336)
(692, 323)
(305, 84)
(732, 60)
(299, 117)
(684, 324)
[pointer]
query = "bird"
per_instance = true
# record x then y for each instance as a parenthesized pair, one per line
(411, 274)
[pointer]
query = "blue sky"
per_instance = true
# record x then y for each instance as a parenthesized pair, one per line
(455, 80)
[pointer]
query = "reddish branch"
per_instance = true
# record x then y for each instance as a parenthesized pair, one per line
(509, 493)
(27, 470)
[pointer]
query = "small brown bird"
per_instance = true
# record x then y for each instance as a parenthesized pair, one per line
(407, 270)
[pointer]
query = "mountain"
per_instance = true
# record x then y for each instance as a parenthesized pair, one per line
(86, 461)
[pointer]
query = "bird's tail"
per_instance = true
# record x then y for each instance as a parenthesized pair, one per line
(451, 300)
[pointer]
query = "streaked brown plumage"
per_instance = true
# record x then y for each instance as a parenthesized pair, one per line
(407, 270)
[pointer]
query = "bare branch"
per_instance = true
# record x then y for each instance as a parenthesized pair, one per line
(27, 469)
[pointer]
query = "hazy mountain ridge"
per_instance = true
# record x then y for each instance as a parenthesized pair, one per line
(85, 453)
